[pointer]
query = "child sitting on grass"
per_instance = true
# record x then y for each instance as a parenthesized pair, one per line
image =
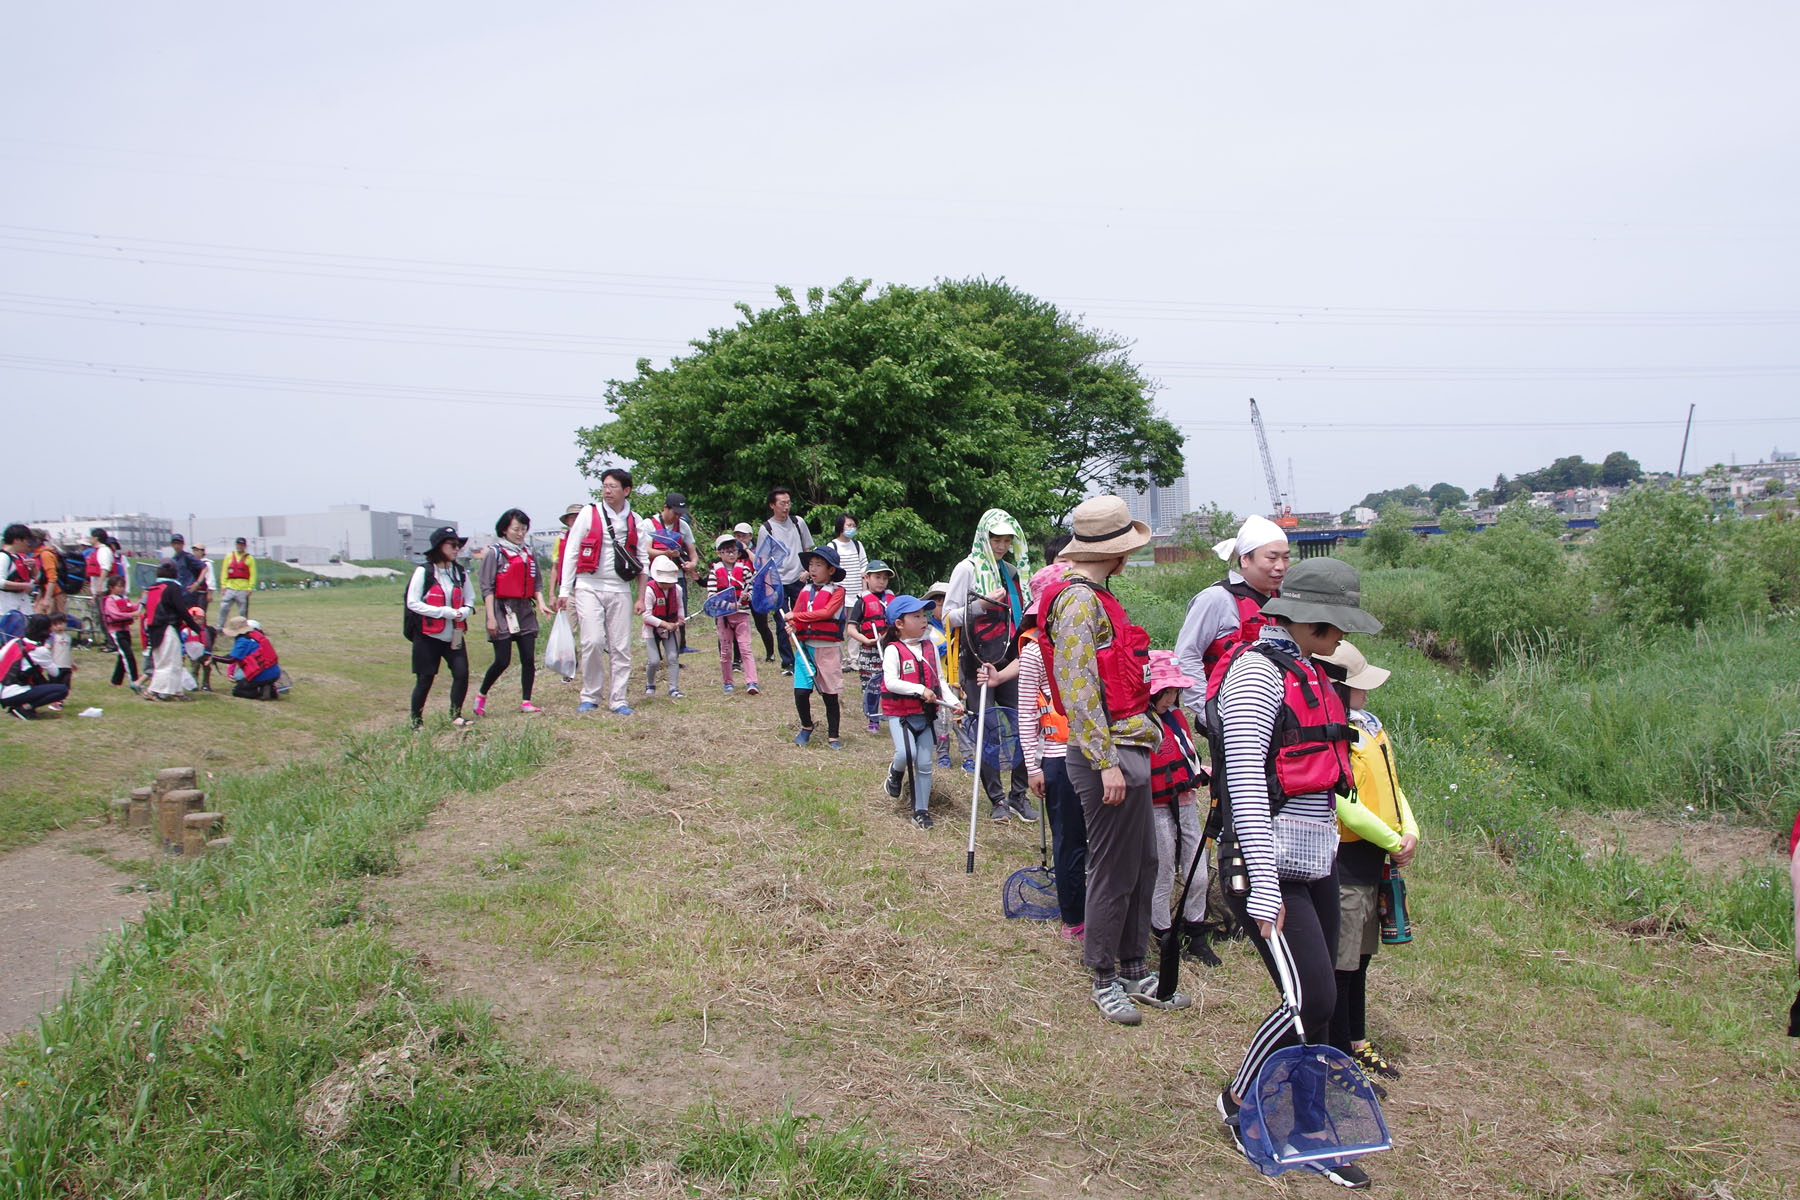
(912, 692)
(1375, 823)
(868, 624)
(1175, 779)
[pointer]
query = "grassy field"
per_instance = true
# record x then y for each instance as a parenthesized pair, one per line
(676, 955)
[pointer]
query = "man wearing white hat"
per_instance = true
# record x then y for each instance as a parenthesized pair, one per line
(1230, 611)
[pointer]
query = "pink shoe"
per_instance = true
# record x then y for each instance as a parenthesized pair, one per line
(481, 706)
(1073, 932)
(527, 707)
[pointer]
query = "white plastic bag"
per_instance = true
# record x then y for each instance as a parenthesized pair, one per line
(559, 648)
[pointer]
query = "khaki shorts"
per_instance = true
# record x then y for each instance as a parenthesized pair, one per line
(1359, 925)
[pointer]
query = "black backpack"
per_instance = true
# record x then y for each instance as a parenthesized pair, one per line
(410, 620)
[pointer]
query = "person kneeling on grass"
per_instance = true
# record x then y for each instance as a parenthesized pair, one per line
(29, 676)
(912, 689)
(1375, 824)
(252, 661)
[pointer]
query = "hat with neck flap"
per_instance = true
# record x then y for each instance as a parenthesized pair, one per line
(997, 522)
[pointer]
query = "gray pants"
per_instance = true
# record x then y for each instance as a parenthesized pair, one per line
(232, 596)
(1121, 862)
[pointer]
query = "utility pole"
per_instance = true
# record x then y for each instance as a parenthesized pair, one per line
(1679, 466)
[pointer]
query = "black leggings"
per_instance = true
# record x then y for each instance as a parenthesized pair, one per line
(121, 640)
(427, 653)
(1308, 945)
(503, 659)
(768, 638)
(803, 705)
(1349, 1020)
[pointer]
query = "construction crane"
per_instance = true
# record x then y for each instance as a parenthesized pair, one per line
(1280, 511)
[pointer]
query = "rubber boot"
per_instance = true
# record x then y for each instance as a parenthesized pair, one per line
(1195, 944)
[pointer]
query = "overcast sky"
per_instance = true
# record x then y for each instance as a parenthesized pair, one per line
(261, 261)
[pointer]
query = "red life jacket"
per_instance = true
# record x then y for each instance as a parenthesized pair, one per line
(665, 601)
(588, 558)
(90, 562)
(1124, 662)
(1053, 724)
(1250, 623)
(17, 570)
(1172, 762)
(815, 599)
(914, 668)
(434, 594)
(995, 626)
(518, 578)
(15, 653)
(261, 658)
(237, 566)
(875, 622)
(1309, 749)
(737, 575)
(152, 598)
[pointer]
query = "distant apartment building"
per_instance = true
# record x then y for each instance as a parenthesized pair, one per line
(343, 531)
(138, 533)
(1161, 508)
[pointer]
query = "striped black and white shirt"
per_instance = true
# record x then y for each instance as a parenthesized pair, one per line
(1249, 701)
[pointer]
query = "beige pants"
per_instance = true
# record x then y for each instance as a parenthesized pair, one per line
(604, 620)
(165, 664)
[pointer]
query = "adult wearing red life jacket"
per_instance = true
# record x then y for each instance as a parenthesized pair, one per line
(166, 614)
(509, 590)
(603, 580)
(438, 598)
(252, 661)
(1287, 742)
(1100, 679)
(1230, 612)
(239, 570)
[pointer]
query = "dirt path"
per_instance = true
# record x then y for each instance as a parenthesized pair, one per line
(58, 900)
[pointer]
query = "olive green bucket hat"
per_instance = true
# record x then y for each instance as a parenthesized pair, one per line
(1323, 589)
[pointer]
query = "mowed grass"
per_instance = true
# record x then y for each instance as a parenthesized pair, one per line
(677, 955)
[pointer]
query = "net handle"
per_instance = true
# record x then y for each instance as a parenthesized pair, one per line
(1285, 977)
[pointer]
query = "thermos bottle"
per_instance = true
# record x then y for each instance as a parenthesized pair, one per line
(1390, 901)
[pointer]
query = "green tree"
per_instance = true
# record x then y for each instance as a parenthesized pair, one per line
(916, 408)
(1653, 557)
(1619, 469)
(1391, 540)
(1508, 584)
(1446, 495)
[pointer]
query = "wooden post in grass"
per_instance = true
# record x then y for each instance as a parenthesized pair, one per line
(196, 830)
(118, 812)
(167, 818)
(140, 808)
(170, 810)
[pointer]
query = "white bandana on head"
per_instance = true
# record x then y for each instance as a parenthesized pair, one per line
(1252, 535)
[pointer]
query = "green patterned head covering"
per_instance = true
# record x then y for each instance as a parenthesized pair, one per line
(997, 521)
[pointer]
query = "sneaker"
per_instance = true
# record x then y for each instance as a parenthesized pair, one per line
(923, 820)
(1343, 1172)
(1195, 946)
(894, 780)
(1114, 1005)
(689, 650)
(944, 759)
(787, 670)
(649, 691)
(1022, 809)
(1144, 992)
(752, 690)
(874, 725)
(415, 722)
(460, 722)
(968, 763)
(803, 737)
(568, 679)
(528, 708)
(1228, 1113)
(677, 694)
(137, 687)
(481, 706)
(1339, 1071)
(585, 706)
(1072, 933)
(998, 814)
(624, 710)
(730, 688)
(21, 713)
(834, 743)
(1370, 1060)
(56, 705)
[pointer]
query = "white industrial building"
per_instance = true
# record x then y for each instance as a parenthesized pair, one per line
(1161, 508)
(343, 531)
(139, 533)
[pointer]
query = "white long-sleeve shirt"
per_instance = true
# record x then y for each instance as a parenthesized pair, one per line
(1033, 684)
(898, 684)
(415, 599)
(602, 577)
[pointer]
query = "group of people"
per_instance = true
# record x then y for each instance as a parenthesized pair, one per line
(37, 579)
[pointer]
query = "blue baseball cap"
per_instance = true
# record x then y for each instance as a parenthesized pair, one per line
(899, 606)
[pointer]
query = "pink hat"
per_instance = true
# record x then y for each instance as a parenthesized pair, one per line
(1165, 673)
(1042, 578)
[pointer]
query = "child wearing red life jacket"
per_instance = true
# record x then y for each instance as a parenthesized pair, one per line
(733, 573)
(913, 690)
(664, 615)
(1176, 777)
(118, 613)
(29, 676)
(1376, 826)
(868, 626)
(817, 623)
